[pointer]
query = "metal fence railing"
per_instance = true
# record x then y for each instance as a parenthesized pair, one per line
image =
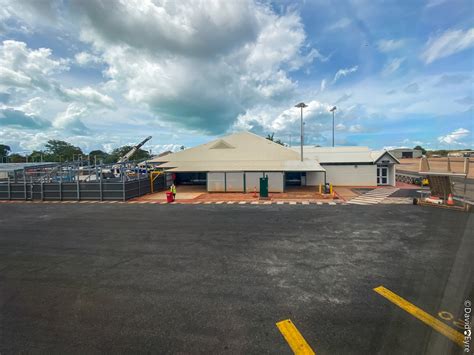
(77, 191)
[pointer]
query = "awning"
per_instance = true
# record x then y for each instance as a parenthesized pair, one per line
(254, 165)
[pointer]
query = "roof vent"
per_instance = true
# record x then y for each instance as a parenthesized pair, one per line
(221, 144)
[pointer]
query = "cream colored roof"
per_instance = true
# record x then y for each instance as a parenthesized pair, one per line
(237, 146)
(243, 151)
(334, 149)
(326, 155)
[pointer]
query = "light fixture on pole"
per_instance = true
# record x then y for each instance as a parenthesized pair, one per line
(301, 105)
(333, 109)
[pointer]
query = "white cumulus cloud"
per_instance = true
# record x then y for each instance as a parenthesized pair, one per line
(198, 65)
(87, 95)
(34, 70)
(84, 59)
(70, 119)
(22, 67)
(455, 137)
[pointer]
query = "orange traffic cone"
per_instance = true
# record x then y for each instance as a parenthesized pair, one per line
(450, 201)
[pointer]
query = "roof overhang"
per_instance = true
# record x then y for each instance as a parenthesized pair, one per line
(389, 154)
(254, 165)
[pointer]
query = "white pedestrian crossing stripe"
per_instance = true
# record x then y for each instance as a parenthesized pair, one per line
(373, 197)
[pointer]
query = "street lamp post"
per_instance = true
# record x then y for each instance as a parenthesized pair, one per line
(333, 109)
(301, 105)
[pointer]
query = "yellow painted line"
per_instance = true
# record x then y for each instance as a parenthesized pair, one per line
(426, 318)
(294, 338)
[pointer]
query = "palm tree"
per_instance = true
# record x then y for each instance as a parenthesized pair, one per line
(271, 137)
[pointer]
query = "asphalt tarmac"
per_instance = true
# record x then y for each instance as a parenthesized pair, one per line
(126, 278)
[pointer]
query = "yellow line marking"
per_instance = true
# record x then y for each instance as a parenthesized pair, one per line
(294, 338)
(434, 323)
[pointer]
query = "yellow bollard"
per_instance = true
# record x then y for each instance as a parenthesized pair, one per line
(330, 189)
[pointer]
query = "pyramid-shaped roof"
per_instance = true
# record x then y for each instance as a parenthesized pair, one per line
(238, 151)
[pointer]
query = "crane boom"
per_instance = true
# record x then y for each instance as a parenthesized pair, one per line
(133, 150)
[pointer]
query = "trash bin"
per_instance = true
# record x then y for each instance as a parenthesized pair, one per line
(169, 196)
(264, 187)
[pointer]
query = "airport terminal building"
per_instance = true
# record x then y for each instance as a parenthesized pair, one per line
(236, 162)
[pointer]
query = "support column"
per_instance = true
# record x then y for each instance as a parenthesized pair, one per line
(78, 188)
(100, 186)
(24, 185)
(9, 188)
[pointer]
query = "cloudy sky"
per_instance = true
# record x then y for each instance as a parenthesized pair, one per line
(102, 73)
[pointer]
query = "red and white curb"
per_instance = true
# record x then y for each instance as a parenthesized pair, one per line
(183, 203)
(386, 201)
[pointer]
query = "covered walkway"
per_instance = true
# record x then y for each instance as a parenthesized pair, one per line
(195, 193)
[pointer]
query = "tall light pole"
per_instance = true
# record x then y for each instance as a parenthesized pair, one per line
(333, 109)
(301, 105)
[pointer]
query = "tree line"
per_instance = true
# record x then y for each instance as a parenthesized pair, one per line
(61, 151)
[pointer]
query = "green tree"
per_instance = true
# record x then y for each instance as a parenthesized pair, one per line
(140, 154)
(419, 147)
(4, 151)
(16, 158)
(271, 137)
(62, 151)
(38, 156)
(100, 155)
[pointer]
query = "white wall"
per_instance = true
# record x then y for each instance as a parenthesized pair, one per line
(252, 180)
(234, 182)
(351, 175)
(276, 181)
(314, 178)
(215, 182)
(391, 175)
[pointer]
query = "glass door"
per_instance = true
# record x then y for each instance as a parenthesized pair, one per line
(382, 175)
